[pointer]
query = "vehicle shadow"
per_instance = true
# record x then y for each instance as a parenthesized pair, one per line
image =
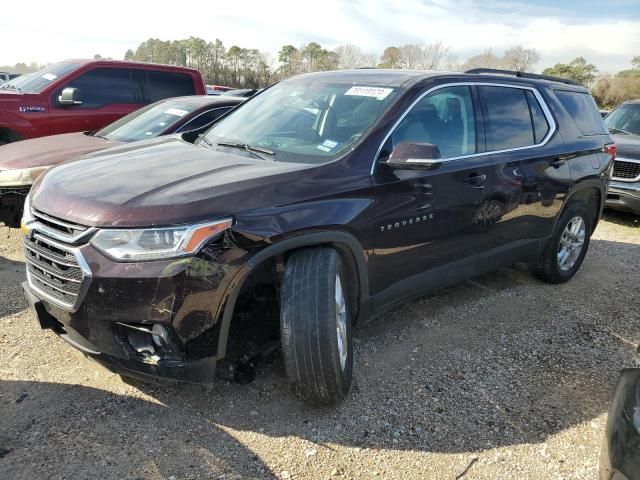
(501, 360)
(50, 430)
(626, 219)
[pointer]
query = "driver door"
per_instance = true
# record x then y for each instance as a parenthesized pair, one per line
(428, 220)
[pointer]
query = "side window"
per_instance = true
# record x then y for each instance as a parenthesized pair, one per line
(540, 124)
(104, 86)
(168, 84)
(203, 119)
(509, 124)
(582, 108)
(444, 118)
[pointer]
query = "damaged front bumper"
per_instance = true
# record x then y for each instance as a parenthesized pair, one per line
(153, 321)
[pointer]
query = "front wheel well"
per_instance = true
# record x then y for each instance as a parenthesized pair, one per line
(254, 325)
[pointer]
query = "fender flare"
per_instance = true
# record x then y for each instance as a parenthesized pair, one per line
(587, 184)
(345, 242)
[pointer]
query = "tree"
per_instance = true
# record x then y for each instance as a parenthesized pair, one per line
(577, 70)
(611, 90)
(351, 56)
(485, 60)
(287, 57)
(520, 59)
(129, 55)
(391, 58)
(310, 53)
(635, 62)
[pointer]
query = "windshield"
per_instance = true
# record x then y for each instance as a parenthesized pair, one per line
(36, 82)
(303, 120)
(625, 119)
(148, 122)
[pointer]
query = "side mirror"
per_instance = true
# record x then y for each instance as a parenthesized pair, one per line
(414, 156)
(70, 96)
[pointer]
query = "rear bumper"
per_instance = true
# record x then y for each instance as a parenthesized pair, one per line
(624, 196)
(620, 456)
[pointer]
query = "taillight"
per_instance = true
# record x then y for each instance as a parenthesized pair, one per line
(611, 149)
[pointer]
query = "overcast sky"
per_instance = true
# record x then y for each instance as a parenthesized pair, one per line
(606, 33)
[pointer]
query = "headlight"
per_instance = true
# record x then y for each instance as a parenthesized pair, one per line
(22, 176)
(157, 243)
(27, 217)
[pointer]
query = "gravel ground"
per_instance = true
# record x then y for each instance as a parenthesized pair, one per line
(501, 377)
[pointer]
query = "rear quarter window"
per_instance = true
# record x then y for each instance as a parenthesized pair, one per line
(169, 84)
(584, 112)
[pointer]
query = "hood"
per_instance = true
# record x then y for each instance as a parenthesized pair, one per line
(164, 181)
(45, 151)
(628, 146)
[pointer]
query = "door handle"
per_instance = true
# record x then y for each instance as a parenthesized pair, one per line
(476, 181)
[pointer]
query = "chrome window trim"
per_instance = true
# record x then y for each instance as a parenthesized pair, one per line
(84, 284)
(545, 109)
(228, 107)
(628, 180)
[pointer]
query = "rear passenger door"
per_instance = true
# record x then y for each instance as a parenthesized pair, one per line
(106, 94)
(529, 178)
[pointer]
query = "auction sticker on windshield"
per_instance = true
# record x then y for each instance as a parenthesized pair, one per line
(379, 93)
(177, 112)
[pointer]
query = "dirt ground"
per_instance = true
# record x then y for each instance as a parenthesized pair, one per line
(502, 377)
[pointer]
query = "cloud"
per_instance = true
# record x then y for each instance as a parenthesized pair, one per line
(559, 33)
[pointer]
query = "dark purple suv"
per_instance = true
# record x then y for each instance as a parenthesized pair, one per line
(324, 199)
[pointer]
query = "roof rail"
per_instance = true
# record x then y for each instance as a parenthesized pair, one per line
(514, 73)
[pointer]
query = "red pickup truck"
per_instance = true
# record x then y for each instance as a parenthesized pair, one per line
(84, 95)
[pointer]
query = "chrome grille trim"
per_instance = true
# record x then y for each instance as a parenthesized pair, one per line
(64, 287)
(634, 167)
(59, 229)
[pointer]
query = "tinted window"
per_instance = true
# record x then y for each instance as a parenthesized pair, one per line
(509, 124)
(540, 124)
(584, 112)
(168, 84)
(625, 119)
(104, 86)
(444, 118)
(205, 118)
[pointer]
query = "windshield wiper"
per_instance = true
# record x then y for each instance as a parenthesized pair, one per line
(257, 151)
(619, 130)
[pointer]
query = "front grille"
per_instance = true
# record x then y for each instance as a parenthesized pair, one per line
(626, 170)
(60, 229)
(56, 271)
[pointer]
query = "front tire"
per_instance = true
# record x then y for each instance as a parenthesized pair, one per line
(563, 255)
(315, 323)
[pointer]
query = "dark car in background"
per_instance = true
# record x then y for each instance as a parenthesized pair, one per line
(241, 92)
(84, 95)
(6, 76)
(620, 455)
(327, 198)
(21, 163)
(624, 126)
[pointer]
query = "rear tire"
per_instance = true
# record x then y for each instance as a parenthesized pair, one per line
(315, 323)
(567, 247)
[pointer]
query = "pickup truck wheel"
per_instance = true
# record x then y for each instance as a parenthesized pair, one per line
(563, 255)
(315, 322)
